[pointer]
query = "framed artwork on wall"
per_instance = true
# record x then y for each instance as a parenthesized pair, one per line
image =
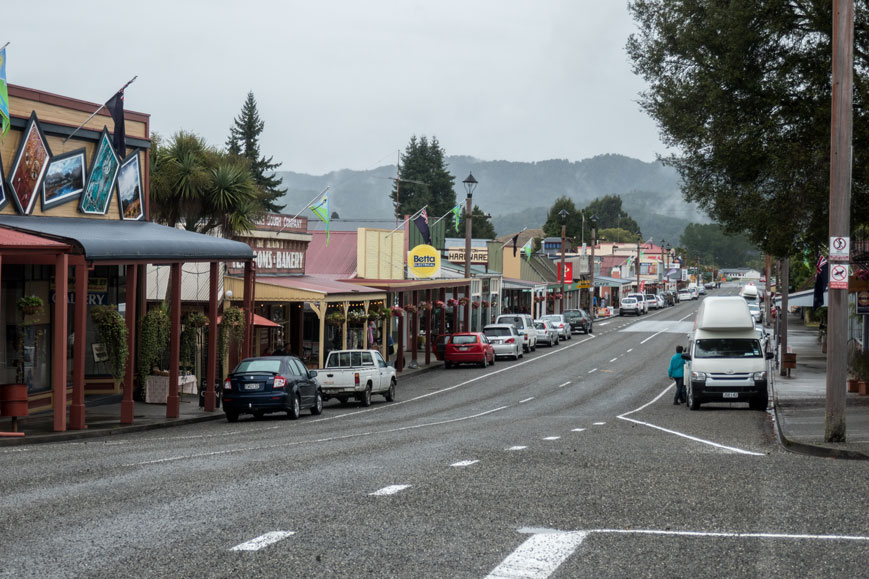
(101, 181)
(64, 179)
(130, 189)
(29, 167)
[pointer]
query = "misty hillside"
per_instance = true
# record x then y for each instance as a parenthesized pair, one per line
(518, 194)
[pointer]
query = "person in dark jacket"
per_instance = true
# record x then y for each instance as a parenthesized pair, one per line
(676, 371)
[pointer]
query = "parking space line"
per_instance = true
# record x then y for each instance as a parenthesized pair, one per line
(592, 370)
(526, 400)
(563, 385)
(630, 350)
(598, 423)
(613, 360)
(517, 448)
(577, 429)
(263, 541)
(539, 556)
(390, 490)
(465, 463)
(551, 437)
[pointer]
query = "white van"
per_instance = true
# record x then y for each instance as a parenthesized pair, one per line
(725, 360)
(524, 324)
(749, 293)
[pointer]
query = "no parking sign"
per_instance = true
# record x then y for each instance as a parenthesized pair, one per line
(839, 276)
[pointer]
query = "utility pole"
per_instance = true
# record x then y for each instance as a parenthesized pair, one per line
(782, 283)
(639, 240)
(768, 301)
(840, 208)
(563, 215)
(591, 268)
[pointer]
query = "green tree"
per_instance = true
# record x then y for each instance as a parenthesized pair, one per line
(201, 188)
(243, 141)
(616, 235)
(714, 247)
(742, 90)
(572, 221)
(609, 213)
(423, 180)
(481, 224)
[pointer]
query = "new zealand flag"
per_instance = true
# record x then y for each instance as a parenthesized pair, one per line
(421, 221)
(822, 272)
(115, 106)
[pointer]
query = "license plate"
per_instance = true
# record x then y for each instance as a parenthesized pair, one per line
(251, 386)
(463, 348)
(730, 394)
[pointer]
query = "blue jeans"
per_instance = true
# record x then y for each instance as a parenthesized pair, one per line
(681, 394)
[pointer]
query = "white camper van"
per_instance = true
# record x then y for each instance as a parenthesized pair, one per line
(725, 360)
(749, 293)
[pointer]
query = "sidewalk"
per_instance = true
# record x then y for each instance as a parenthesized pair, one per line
(800, 402)
(103, 419)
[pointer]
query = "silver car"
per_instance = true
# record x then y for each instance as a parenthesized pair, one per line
(505, 340)
(561, 324)
(546, 332)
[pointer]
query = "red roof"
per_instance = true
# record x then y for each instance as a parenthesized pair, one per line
(318, 283)
(607, 262)
(338, 259)
(10, 239)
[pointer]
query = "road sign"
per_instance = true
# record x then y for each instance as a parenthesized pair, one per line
(840, 248)
(839, 276)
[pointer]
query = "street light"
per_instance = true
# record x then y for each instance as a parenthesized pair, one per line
(667, 267)
(470, 185)
(563, 215)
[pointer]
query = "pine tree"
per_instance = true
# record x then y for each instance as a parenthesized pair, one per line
(243, 141)
(423, 162)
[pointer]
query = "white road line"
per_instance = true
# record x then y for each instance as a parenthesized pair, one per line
(630, 350)
(614, 359)
(517, 448)
(598, 423)
(683, 435)
(465, 463)
(652, 336)
(577, 429)
(263, 541)
(539, 556)
(526, 400)
(390, 490)
(592, 370)
(563, 385)
(551, 437)
(734, 535)
(602, 323)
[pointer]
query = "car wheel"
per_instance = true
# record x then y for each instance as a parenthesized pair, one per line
(232, 416)
(759, 403)
(258, 414)
(485, 361)
(517, 355)
(693, 403)
(365, 397)
(390, 394)
(448, 364)
(534, 347)
(295, 409)
(590, 329)
(494, 357)
(520, 355)
(317, 408)
(525, 348)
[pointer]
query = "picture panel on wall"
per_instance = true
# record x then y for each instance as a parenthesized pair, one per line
(101, 181)
(65, 179)
(4, 196)
(130, 189)
(29, 167)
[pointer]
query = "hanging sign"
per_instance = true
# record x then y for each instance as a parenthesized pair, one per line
(840, 248)
(839, 276)
(863, 303)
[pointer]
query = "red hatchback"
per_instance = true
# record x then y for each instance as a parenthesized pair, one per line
(468, 348)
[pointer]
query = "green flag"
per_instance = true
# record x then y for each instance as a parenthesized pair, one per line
(321, 210)
(457, 211)
(4, 94)
(526, 249)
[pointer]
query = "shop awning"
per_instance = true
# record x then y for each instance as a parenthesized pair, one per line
(114, 240)
(258, 320)
(305, 288)
(604, 281)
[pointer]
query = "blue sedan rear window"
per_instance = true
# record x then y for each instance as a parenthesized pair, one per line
(264, 365)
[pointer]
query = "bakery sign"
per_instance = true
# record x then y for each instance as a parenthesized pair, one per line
(275, 257)
(479, 256)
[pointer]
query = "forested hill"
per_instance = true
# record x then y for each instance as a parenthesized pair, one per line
(518, 194)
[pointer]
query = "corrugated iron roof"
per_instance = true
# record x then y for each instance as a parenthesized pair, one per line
(10, 239)
(338, 259)
(326, 284)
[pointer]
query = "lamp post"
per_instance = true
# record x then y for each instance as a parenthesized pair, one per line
(563, 215)
(591, 265)
(667, 267)
(470, 185)
(639, 241)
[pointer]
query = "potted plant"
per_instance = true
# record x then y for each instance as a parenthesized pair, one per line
(439, 304)
(335, 318)
(410, 308)
(112, 331)
(463, 301)
(397, 311)
(153, 340)
(452, 302)
(231, 329)
(356, 316)
(30, 305)
(475, 305)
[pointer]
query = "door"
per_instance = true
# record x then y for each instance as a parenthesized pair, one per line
(383, 370)
(371, 369)
(305, 384)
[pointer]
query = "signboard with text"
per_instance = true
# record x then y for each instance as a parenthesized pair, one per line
(568, 270)
(839, 276)
(274, 257)
(479, 255)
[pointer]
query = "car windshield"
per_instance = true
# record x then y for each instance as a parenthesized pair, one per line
(552, 318)
(464, 340)
(540, 325)
(628, 301)
(754, 307)
(259, 365)
(344, 359)
(728, 348)
(516, 321)
(497, 332)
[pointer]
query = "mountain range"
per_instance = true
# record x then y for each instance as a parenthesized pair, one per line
(516, 194)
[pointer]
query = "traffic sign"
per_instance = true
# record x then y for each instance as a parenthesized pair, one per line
(840, 248)
(839, 276)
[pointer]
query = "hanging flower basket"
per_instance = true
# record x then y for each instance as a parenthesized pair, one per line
(29, 305)
(486, 304)
(475, 305)
(439, 304)
(356, 316)
(452, 302)
(410, 308)
(551, 297)
(397, 312)
(463, 301)
(335, 318)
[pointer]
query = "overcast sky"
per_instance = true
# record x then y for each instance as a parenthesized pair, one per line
(346, 83)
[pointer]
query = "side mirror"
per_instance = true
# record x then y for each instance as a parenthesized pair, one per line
(686, 356)
(312, 373)
(389, 363)
(769, 355)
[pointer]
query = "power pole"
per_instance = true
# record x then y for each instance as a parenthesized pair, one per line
(840, 208)
(783, 282)
(767, 302)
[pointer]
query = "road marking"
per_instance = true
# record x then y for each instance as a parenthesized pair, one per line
(465, 463)
(602, 323)
(517, 448)
(630, 350)
(592, 370)
(577, 429)
(263, 541)
(539, 556)
(390, 490)
(551, 438)
(683, 435)
(526, 400)
(614, 359)
(563, 385)
(734, 534)
(598, 423)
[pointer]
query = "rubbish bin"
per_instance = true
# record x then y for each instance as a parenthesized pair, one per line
(218, 393)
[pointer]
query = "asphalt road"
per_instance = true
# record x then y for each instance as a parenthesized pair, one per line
(572, 462)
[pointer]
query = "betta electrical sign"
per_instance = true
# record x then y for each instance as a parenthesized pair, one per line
(423, 261)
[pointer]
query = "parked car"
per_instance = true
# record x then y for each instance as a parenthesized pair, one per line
(652, 300)
(662, 303)
(641, 300)
(685, 295)
(701, 290)
(270, 384)
(546, 332)
(580, 321)
(561, 324)
(505, 340)
(764, 338)
(469, 348)
(756, 312)
(357, 374)
(524, 324)
(630, 306)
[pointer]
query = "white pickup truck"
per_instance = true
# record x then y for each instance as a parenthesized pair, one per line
(357, 374)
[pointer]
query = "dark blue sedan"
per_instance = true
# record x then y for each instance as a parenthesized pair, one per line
(271, 384)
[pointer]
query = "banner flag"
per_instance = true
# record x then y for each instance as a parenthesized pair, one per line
(526, 249)
(515, 241)
(421, 222)
(321, 210)
(457, 215)
(4, 93)
(115, 106)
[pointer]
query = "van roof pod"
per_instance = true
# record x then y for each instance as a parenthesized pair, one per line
(724, 313)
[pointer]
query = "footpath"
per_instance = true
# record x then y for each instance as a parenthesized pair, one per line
(800, 402)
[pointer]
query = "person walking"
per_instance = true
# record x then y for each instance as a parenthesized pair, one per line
(676, 371)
